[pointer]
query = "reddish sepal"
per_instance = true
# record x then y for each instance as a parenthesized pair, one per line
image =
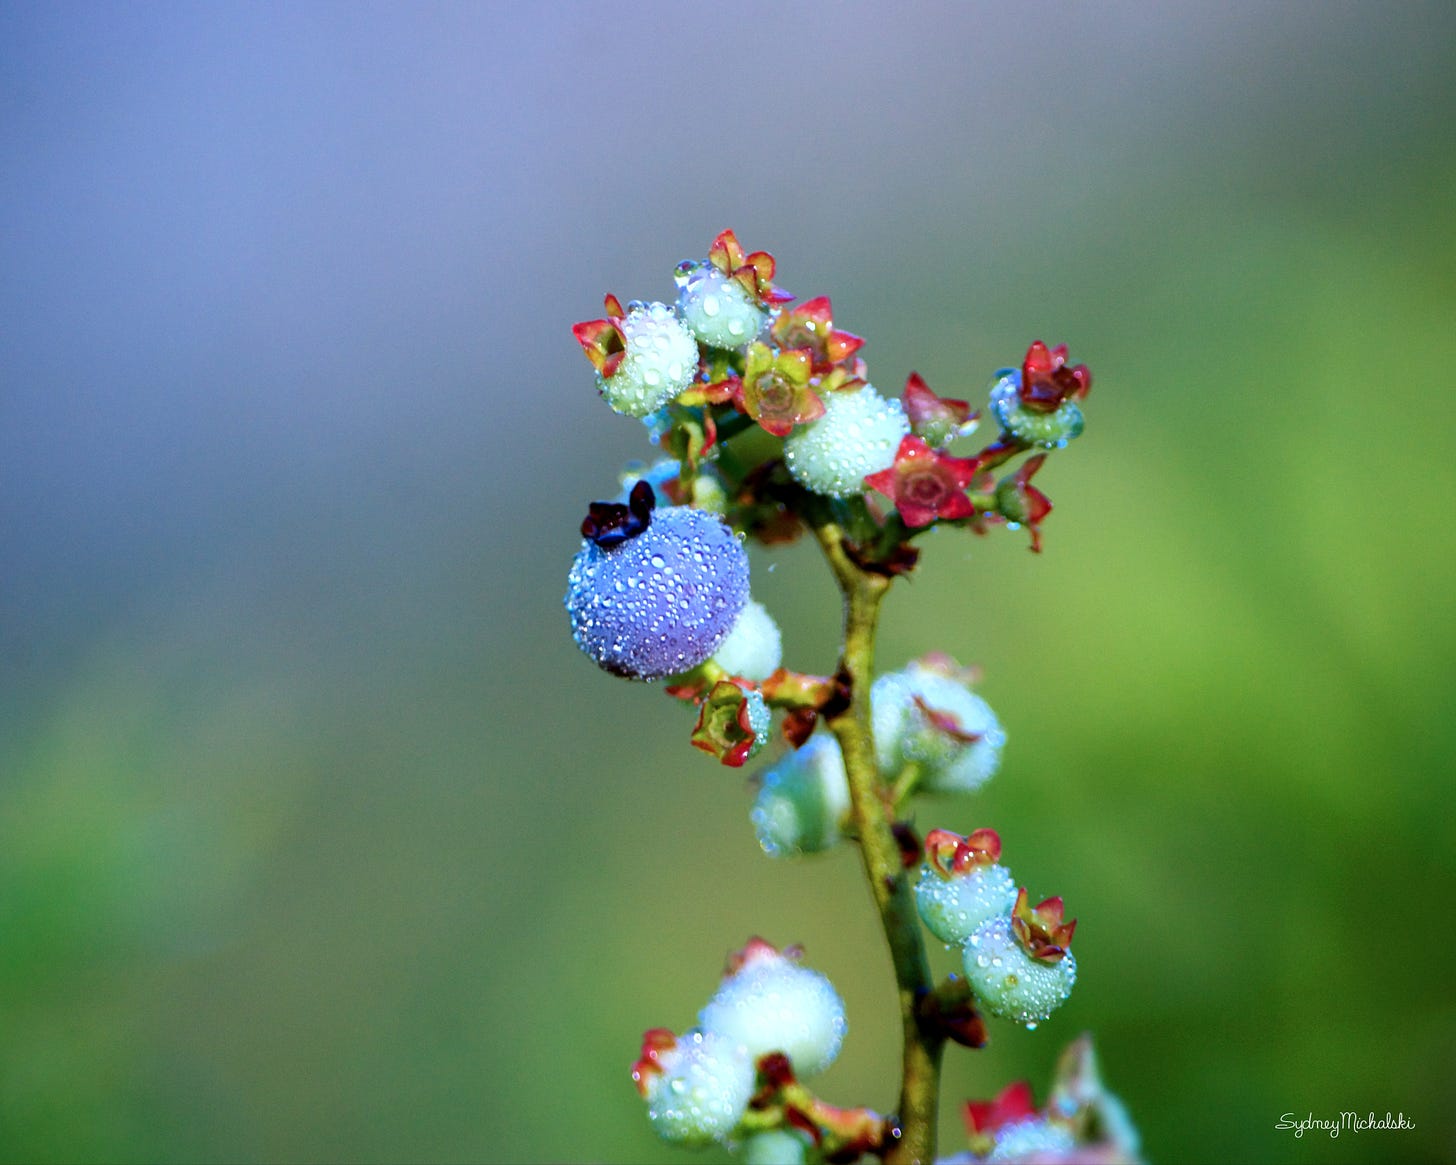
(1046, 381)
(810, 326)
(938, 419)
(754, 273)
(1017, 500)
(1014, 1104)
(604, 343)
(950, 855)
(1042, 930)
(724, 729)
(655, 1041)
(926, 484)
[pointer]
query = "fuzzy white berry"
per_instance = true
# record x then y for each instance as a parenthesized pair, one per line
(927, 718)
(1034, 1138)
(1008, 981)
(718, 310)
(754, 648)
(661, 360)
(698, 1089)
(802, 799)
(857, 435)
(954, 907)
(771, 1004)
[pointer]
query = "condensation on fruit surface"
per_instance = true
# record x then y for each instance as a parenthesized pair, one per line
(857, 435)
(662, 602)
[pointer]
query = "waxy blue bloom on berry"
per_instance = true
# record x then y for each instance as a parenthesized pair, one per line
(652, 594)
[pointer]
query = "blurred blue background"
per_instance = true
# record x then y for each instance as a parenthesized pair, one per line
(318, 838)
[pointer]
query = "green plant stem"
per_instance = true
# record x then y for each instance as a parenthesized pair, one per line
(872, 813)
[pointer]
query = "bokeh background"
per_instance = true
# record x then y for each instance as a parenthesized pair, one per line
(319, 841)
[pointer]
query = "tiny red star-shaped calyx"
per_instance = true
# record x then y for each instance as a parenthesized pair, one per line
(926, 484)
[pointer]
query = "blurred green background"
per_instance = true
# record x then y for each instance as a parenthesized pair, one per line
(319, 841)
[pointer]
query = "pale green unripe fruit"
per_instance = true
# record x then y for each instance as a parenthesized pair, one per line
(952, 908)
(802, 799)
(702, 1091)
(858, 434)
(771, 1004)
(1009, 983)
(661, 360)
(717, 309)
(776, 1147)
(905, 735)
(754, 648)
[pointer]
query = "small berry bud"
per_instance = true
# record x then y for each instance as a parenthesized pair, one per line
(1037, 403)
(954, 897)
(926, 717)
(768, 1003)
(1020, 964)
(660, 361)
(697, 1088)
(857, 435)
(654, 594)
(754, 648)
(802, 799)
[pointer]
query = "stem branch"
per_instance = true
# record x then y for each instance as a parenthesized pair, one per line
(872, 811)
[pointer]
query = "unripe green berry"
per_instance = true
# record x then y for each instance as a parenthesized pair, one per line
(754, 648)
(952, 908)
(1008, 981)
(1046, 430)
(698, 1090)
(771, 1004)
(924, 717)
(858, 434)
(717, 309)
(802, 799)
(776, 1147)
(661, 360)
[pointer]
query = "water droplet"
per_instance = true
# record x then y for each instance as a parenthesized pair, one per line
(710, 306)
(735, 327)
(657, 561)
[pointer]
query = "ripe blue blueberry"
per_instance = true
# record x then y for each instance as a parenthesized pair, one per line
(652, 594)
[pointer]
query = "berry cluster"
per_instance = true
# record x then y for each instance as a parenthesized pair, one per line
(1017, 958)
(769, 428)
(736, 1076)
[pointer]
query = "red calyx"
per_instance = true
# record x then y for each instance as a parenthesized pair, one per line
(1046, 381)
(926, 484)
